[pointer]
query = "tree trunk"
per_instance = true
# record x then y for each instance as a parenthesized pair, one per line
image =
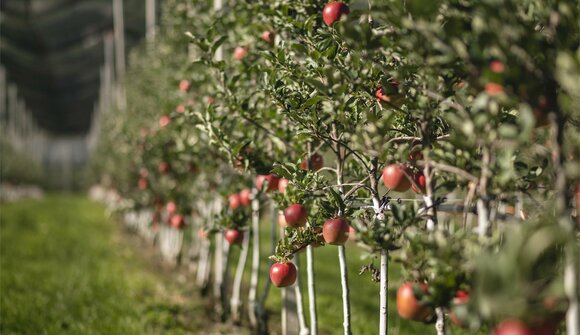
(255, 233)
(236, 302)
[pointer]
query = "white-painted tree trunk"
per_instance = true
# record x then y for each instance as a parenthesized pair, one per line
(235, 301)
(299, 303)
(255, 231)
(311, 290)
(345, 289)
(440, 323)
(384, 293)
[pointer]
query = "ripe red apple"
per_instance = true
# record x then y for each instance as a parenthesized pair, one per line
(202, 234)
(389, 94)
(164, 167)
(512, 327)
(333, 11)
(408, 305)
(171, 207)
(184, 85)
(351, 233)
(235, 201)
(395, 177)
(458, 307)
(177, 221)
(143, 184)
(496, 66)
(419, 179)
(493, 89)
(245, 196)
(180, 109)
(164, 121)
(283, 274)
(271, 179)
(335, 231)
(282, 185)
(282, 220)
(296, 215)
(234, 236)
(240, 53)
(268, 37)
(143, 173)
(316, 163)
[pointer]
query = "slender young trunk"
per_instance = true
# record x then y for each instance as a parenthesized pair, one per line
(311, 290)
(255, 233)
(204, 253)
(218, 263)
(482, 202)
(310, 271)
(341, 249)
(299, 304)
(224, 287)
(384, 268)
(384, 290)
(236, 302)
(431, 210)
(440, 323)
(563, 211)
(284, 298)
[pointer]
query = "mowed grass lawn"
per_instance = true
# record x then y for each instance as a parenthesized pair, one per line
(65, 268)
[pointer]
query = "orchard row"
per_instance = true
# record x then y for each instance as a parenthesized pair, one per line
(442, 136)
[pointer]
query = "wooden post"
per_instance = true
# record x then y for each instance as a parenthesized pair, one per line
(119, 28)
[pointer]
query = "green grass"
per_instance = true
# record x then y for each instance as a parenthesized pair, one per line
(66, 269)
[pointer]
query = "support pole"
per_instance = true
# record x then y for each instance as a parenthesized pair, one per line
(119, 28)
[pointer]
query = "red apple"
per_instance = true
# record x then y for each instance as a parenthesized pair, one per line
(282, 185)
(143, 173)
(240, 53)
(143, 184)
(316, 163)
(419, 179)
(408, 305)
(164, 167)
(171, 207)
(493, 89)
(335, 231)
(180, 109)
(202, 234)
(271, 179)
(268, 37)
(234, 236)
(395, 177)
(245, 196)
(496, 66)
(459, 308)
(283, 274)
(184, 85)
(389, 94)
(333, 11)
(282, 220)
(235, 201)
(177, 221)
(296, 215)
(164, 121)
(351, 233)
(512, 327)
